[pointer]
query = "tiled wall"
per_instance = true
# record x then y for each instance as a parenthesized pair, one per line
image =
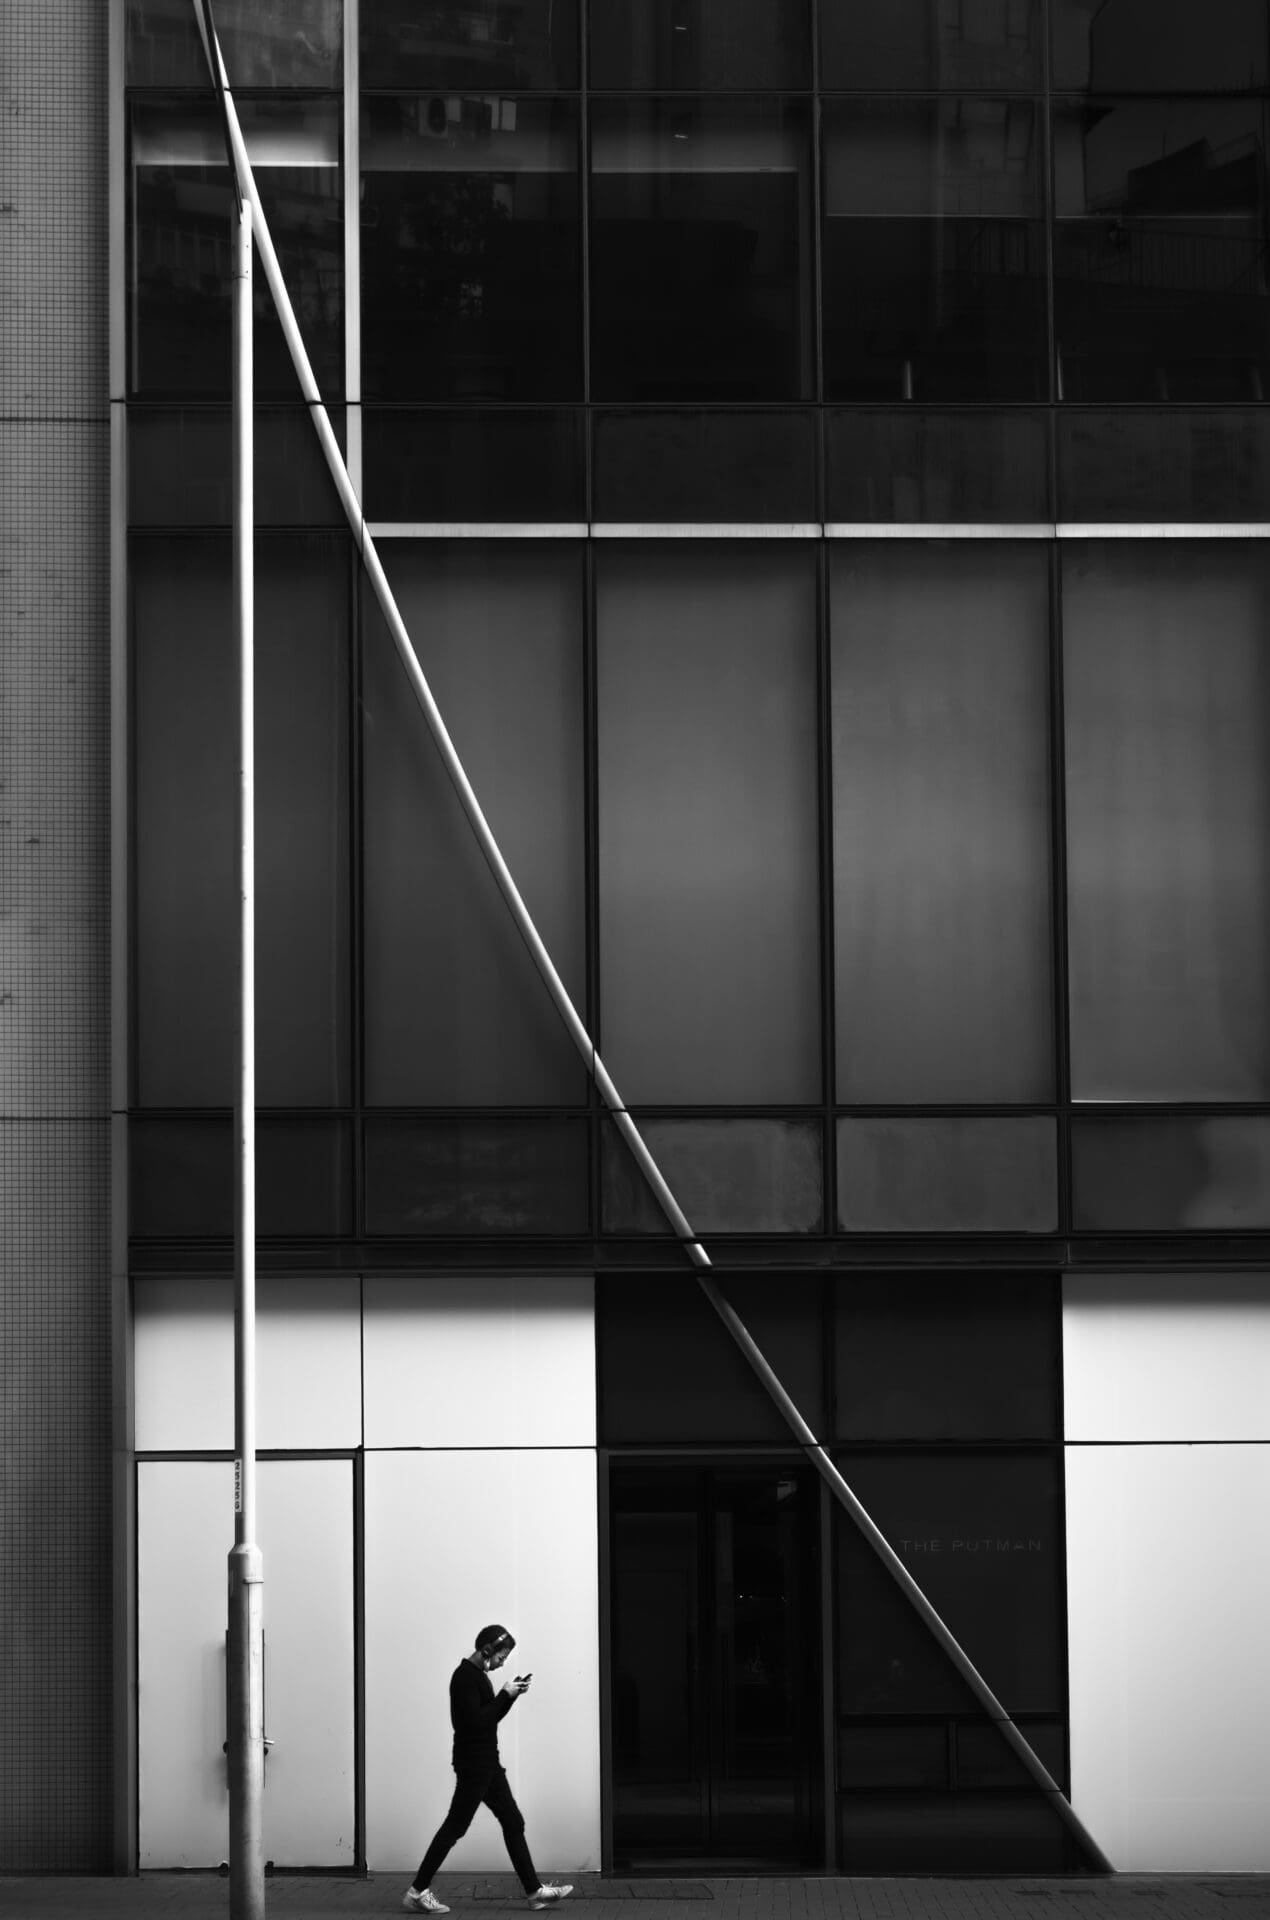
(55, 1531)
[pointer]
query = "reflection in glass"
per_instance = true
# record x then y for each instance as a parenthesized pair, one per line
(1180, 1173)
(1149, 464)
(933, 256)
(884, 44)
(470, 248)
(455, 1012)
(1166, 682)
(181, 202)
(480, 463)
(455, 43)
(708, 822)
(707, 464)
(908, 463)
(1154, 46)
(1160, 283)
(700, 237)
(477, 1176)
(729, 1176)
(974, 1175)
(185, 719)
(663, 45)
(941, 821)
(288, 43)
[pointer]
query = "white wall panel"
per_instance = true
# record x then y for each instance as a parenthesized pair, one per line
(309, 1359)
(454, 1541)
(1166, 1356)
(1168, 1583)
(185, 1528)
(480, 1361)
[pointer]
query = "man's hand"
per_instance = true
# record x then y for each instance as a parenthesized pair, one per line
(520, 1684)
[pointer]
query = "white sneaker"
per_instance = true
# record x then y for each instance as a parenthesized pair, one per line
(547, 1896)
(425, 1902)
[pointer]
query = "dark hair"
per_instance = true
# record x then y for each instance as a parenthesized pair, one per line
(493, 1640)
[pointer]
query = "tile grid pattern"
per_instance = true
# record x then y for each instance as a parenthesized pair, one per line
(55, 1542)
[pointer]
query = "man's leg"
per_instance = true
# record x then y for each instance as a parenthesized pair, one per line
(499, 1799)
(469, 1790)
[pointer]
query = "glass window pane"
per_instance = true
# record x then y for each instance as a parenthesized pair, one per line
(707, 465)
(955, 1833)
(289, 43)
(455, 1012)
(470, 249)
(912, 1755)
(181, 1178)
(709, 941)
(1166, 682)
(933, 253)
(948, 1176)
(423, 464)
(180, 470)
(442, 43)
(729, 1176)
(941, 821)
(1150, 46)
(477, 1176)
(185, 718)
(867, 44)
(1160, 286)
(946, 1356)
(1197, 1172)
(700, 232)
(1146, 464)
(182, 205)
(662, 45)
(911, 463)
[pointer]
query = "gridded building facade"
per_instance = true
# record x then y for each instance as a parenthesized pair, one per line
(819, 453)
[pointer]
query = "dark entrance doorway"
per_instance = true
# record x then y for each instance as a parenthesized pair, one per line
(716, 1664)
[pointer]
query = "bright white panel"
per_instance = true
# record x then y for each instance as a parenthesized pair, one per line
(480, 1361)
(308, 1356)
(1168, 1594)
(185, 1528)
(1166, 1356)
(453, 1542)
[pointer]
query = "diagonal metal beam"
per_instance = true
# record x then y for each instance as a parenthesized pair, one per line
(576, 1027)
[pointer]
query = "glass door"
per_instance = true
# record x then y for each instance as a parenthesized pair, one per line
(715, 1660)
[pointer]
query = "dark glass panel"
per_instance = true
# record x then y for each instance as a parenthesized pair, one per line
(661, 46)
(941, 821)
(1148, 465)
(288, 43)
(1183, 1174)
(475, 1176)
(989, 1175)
(182, 208)
(700, 250)
(884, 44)
(954, 1833)
(913, 1755)
(451, 43)
(470, 249)
(455, 1010)
(709, 891)
(180, 470)
(908, 463)
(946, 1357)
(1152, 46)
(429, 465)
(933, 255)
(986, 1760)
(1166, 683)
(729, 1176)
(981, 1534)
(705, 466)
(181, 1178)
(184, 745)
(662, 1329)
(1160, 285)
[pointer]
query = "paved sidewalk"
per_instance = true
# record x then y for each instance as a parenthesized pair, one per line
(205, 1896)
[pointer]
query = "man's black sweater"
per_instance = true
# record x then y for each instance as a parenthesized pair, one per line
(476, 1710)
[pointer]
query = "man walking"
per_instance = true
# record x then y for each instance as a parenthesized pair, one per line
(475, 1710)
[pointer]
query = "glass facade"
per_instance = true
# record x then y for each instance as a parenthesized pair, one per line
(773, 420)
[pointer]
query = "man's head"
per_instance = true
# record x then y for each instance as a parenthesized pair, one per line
(493, 1645)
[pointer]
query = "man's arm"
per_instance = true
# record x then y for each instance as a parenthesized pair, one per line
(473, 1711)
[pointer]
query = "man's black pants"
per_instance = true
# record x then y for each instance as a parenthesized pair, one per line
(474, 1785)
